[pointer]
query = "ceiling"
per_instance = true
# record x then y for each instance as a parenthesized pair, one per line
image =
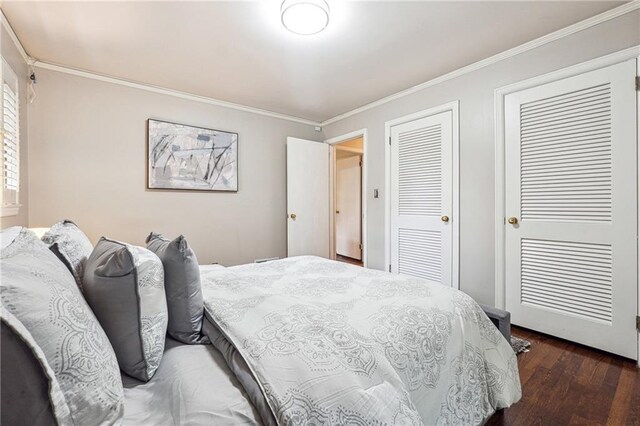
(239, 52)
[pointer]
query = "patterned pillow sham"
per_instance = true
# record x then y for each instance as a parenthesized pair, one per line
(38, 290)
(182, 286)
(71, 246)
(124, 286)
(30, 391)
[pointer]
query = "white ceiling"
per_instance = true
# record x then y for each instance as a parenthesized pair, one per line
(239, 52)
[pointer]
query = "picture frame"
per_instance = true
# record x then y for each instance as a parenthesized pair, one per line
(191, 158)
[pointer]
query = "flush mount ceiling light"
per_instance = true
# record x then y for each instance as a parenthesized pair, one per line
(305, 17)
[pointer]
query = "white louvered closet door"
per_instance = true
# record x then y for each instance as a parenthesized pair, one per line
(571, 183)
(421, 194)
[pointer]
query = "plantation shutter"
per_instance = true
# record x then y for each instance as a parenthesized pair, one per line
(10, 140)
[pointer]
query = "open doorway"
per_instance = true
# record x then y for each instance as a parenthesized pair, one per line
(347, 210)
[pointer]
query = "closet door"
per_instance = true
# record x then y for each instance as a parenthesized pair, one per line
(571, 205)
(421, 198)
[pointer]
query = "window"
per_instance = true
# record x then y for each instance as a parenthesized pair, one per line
(10, 142)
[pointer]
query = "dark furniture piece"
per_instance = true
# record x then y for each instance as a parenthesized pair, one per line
(501, 319)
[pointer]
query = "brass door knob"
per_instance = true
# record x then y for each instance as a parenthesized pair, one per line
(512, 220)
(337, 211)
(445, 218)
(293, 216)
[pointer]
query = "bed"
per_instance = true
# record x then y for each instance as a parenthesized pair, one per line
(192, 386)
(313, 341)
(296, 341)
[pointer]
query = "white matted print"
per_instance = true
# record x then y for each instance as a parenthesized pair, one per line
(191, 158)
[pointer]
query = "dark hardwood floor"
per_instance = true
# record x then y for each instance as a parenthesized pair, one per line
(568, 384)
(350, 260)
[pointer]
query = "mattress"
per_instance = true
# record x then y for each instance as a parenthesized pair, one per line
(192, 386)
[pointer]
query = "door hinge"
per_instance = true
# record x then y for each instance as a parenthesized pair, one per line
(389, 268)
(638, 322)
(360, 163)
(389, 140)
(637, 84)
(360, 246)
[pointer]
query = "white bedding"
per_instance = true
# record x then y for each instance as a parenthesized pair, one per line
(192, 386)
(330, 343)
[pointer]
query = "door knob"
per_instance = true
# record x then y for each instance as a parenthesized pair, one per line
(512, 220)
(445, 218)
(293, 216)
(337, 211)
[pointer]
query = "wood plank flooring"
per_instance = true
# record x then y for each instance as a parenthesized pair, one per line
(569, 384)
(350, 260)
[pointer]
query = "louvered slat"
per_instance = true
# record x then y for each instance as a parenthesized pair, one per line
(419, 171)
(566, 156)
(420, 253)
(571, 277)
(10, 141)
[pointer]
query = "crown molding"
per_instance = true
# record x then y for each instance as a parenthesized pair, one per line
(12, 34)
(541, 41)
(143, 86)
(530, 45)
(170, 92)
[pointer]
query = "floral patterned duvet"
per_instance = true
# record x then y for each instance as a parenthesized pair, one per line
(331, 343)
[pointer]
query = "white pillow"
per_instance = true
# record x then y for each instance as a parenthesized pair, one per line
(70, 245)
(7, 235)
(40, 292)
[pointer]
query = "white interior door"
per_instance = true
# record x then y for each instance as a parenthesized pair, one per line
(422, 198)
(307, 198)
(349, 206)
(571, 184)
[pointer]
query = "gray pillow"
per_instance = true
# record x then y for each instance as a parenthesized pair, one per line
(71, 246)
(30, 391)
(124, 286)
(39, 291)
(182, 285)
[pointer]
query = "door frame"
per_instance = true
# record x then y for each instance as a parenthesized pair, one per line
(499, 110)
(332, 237)
(499, 98)
(454, 107)
(638, 171)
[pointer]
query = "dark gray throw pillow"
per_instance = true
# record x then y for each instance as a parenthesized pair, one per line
(182, 286)
(124, 286)
(70, 245)
(31, 394)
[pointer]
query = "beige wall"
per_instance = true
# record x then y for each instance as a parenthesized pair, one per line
(87, 156)
(357, 143)
(19, 66)
(475, 93)
(349, 148)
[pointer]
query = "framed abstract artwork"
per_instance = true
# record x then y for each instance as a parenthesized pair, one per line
(191, 158)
